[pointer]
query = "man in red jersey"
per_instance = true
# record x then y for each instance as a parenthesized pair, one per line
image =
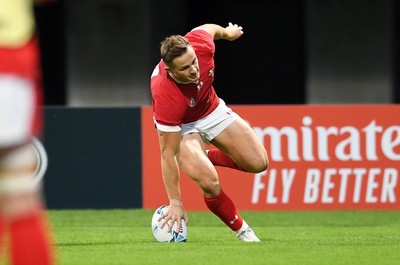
(22, 157)
(188, 113)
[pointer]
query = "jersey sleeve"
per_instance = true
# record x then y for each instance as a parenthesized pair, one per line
(201, 41)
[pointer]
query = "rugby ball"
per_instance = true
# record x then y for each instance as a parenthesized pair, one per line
(162, 234)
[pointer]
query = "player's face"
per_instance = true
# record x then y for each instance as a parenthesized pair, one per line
(186, 67)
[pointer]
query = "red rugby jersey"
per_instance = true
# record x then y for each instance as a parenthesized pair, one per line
(174, 103)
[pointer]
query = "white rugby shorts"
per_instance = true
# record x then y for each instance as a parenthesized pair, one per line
(213, 124)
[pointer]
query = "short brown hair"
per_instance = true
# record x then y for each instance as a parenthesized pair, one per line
(172, 47)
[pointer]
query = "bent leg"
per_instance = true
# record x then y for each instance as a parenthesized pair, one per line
(240, 142)
(219, 158)
(194, 162)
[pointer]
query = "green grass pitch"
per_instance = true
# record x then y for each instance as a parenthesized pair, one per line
(119, 237)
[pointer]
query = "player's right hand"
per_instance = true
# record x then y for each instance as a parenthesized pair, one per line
(174, 214)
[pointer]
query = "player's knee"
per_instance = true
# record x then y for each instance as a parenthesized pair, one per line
(263, 164)
(259, 164)
(18, 169)
(210, 188)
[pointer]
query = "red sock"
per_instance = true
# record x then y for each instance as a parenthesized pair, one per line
(223, 207)
(2, 234)
(219, 158)
(30, 241)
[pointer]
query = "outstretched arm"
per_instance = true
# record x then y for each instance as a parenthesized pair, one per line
(231, 32)
(169, 145)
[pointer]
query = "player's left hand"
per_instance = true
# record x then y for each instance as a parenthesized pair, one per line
(233, 31)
